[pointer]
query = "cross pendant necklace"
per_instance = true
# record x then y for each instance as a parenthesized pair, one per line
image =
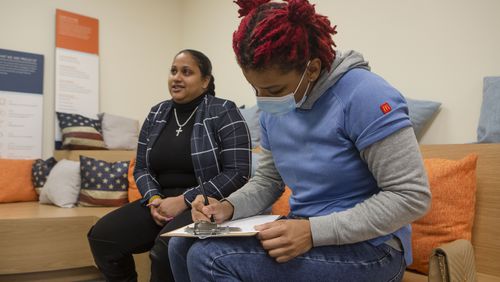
(179, 130)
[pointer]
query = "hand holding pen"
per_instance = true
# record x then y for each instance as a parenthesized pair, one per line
(205, 198)
(208, 209)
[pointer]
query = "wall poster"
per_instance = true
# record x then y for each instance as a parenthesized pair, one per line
(21, 104)
(76, 66)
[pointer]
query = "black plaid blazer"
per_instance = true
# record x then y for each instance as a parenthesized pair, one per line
(220, 149)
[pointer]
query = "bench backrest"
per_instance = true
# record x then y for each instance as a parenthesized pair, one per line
(105, 155)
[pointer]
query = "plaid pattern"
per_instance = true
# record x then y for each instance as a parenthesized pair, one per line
(103, 183)
(220, 149)
(80, 133)
(39, 172)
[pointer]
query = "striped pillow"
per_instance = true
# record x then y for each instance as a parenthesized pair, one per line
(80, 133)
(103, 183)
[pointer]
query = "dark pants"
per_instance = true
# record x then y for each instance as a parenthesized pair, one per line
(131, 230)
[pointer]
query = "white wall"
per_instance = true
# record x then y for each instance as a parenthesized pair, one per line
(137, 42)
(433, 50)
(208, 26)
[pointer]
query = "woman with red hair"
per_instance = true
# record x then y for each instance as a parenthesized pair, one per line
(340, 137)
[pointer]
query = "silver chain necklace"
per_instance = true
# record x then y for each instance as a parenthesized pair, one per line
(179, 130)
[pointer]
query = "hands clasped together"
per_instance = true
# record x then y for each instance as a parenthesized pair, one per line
(282, 239)
(164, 210)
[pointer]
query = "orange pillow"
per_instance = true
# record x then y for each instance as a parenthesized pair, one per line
(282, 205)
(453, 188)
(133, 191)
(15, 181)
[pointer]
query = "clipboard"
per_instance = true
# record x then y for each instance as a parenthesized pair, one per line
(234, 228)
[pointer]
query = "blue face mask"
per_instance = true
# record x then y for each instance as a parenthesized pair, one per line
(284, 104)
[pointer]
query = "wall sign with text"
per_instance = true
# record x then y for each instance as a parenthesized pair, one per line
(21, 104)
(76, 66)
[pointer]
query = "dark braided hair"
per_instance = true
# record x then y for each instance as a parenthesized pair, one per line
(205, 68)
(283, 34)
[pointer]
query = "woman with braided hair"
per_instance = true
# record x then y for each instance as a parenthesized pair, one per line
(340, 137)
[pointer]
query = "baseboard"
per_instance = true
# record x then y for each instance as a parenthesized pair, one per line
(83, 274)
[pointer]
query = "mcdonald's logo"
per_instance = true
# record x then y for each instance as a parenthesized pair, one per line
(385, 108)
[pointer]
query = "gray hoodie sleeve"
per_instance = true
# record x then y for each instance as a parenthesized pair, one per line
(261, 191)
(397, 165)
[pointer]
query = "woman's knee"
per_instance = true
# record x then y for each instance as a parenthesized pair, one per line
(98, 231)
(101, 239)
(202, 252)
(99, 243)
(95, 234)
(159, 252)
(179, 247)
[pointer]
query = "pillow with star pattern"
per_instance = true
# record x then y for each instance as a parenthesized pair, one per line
(40, 171)
(80, 133)
(103, 183)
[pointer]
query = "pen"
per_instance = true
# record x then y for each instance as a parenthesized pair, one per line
(205, 197)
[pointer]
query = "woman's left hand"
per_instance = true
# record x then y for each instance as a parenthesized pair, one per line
(285, 239)
(172, 206)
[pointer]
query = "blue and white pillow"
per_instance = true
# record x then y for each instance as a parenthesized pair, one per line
(488, 130)
(421, 113)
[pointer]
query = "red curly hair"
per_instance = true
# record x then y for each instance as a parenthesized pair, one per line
(283, 34)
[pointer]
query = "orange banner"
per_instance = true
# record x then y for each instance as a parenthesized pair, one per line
(77, 32)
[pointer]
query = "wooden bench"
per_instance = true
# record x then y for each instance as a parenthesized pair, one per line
(37, 237)
(45, 242)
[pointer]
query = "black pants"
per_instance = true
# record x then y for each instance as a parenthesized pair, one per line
(131, 230)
